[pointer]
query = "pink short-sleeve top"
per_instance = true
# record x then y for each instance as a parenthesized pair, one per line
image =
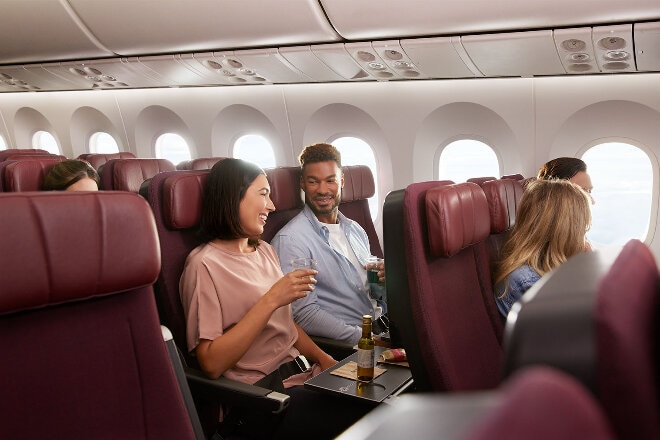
(219, 287)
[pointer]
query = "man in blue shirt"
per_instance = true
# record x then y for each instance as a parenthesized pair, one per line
(340, 246)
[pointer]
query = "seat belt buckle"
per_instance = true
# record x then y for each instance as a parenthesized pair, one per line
(303, 363)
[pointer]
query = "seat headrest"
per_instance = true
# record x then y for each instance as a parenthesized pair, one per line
(204, 163)
(182, 200)
(28, 175)
(516, 176)
(457, 217)
(285, 187)
(4, 154)
(98, 159)
(65, 246)
(503, 197)
(128, 174)
(481, 180)
(358, 183)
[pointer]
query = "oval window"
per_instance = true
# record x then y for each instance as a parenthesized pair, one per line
(466, 158)
(102, 143)
(172, 147)
(622, 178)
(45, 141)
(255, 149)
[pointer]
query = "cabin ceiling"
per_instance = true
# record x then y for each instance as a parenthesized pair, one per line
(107, 44)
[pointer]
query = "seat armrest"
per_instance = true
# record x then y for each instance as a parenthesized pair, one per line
(232, 392)
(337, 349)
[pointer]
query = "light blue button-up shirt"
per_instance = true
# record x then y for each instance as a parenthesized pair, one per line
(335, 307)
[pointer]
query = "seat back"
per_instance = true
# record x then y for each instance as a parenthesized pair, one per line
(128, 174)
(286, 196)
(442, 234)
(597, 317)
(516, 176)
(480, 180)
(4, 154)
(503, 196)
(627, 319)
(543, 404)
(77, 315)
(358, 187)
(175, 198)
(98, 159)
(26, 175)
(204, 163)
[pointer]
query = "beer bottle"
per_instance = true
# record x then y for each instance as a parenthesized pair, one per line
(366, 353)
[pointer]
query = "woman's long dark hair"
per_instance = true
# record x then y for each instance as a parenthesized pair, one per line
(224, 189)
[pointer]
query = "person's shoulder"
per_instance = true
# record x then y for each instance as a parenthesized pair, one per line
(296, 222)
(524, 274)
(266, 247)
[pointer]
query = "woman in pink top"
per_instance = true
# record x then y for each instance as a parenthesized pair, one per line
(238, 306)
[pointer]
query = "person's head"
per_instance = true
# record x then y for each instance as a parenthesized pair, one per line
(552, 219)
(71, 175)
(322, 180)
(568, 168)
(236, 201)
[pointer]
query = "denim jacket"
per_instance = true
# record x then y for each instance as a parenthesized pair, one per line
(518, 281)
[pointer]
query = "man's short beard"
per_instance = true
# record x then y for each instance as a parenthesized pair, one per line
(317, 211)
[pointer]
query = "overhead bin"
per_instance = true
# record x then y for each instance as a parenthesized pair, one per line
(129, 27)
(381, 19)
(440, 57)
(647, 46)
(43, 30)
(514, 54)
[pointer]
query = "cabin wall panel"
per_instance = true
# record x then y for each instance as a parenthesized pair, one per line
(558, 99)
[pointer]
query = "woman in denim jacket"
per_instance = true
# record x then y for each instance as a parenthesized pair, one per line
(552, 220)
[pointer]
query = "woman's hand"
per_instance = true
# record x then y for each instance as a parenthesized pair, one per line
(292, 286)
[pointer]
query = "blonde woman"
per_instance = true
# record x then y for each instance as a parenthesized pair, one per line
(552, 220)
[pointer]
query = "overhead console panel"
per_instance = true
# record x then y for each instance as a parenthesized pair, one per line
(129, 27)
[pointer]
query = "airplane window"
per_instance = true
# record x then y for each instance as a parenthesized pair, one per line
(172, 147)
(466, 158)
(355, 151)
(46, 141)
(3, 144)
(256, 149)
(622, 177)
(101, 142)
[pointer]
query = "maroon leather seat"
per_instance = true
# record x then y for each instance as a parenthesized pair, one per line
(128, 174)
(538, 403)
(286, 196)
(516, 176)
(543, 404)
(597, 317)
(436, 306)
(627, 318)
(175, 198)
(77, 315)
(481, 180)
(13, 151)
(26, 175)
(201, 163)
(503, 196)
(98, 159)
(358, 187)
